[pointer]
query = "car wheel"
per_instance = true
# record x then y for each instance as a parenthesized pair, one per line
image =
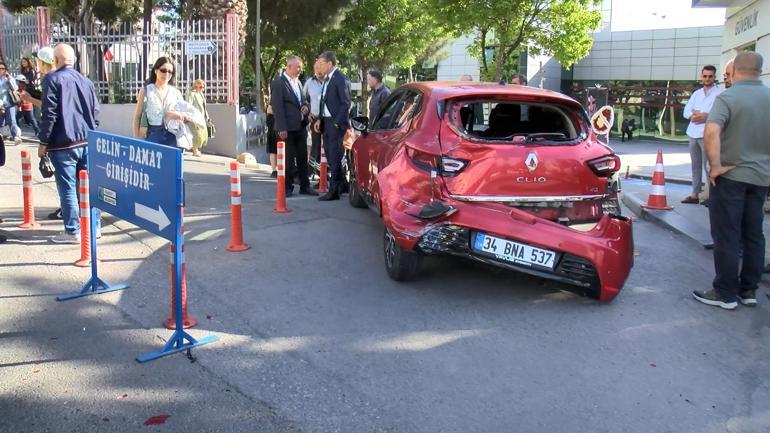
(400, 264)
(354, 194)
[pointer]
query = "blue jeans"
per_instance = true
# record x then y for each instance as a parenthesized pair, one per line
(68, 163)
(736, 211)
(9, 118)
(29, 117)
(159, 134)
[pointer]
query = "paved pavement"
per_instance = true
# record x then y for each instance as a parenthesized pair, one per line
(316, 338)
(638, 159)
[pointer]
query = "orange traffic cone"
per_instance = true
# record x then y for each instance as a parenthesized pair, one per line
(657, 198)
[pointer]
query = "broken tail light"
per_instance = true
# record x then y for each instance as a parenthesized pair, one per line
(605, 166)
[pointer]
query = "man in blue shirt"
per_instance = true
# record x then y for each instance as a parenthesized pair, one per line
(69, 111)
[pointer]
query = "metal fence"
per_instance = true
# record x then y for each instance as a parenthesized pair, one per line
(19, 38)
(117, 57)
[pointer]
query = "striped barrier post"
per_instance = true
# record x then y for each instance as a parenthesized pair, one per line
(236, 222)
(85, 221)
(187, 320)
(323, 183)
(280, 195)
(26, 181)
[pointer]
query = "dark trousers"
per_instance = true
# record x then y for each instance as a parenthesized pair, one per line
(296, 159)
(332, 142)
(736, 211)
(315, 146)
(629, 133)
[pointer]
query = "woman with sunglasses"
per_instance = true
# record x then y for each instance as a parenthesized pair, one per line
(154, 102)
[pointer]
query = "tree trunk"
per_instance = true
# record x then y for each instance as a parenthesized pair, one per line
(483, 43)
(147, 30)
(672, 113)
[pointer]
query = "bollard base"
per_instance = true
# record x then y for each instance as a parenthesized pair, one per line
(28, 225)
(284, 210)
(83, 263)
(238, 248)
(187, 323)
(177, 344)
(94, 286)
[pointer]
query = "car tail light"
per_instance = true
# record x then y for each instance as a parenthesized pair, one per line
(451, 166)
(422, 160)
(605, 165)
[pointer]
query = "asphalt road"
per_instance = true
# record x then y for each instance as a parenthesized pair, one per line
(316, 338)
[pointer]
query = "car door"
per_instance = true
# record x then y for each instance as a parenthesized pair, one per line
(370, 147)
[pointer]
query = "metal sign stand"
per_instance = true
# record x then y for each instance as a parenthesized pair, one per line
(95, 285)
(110, 160)
(180, 340)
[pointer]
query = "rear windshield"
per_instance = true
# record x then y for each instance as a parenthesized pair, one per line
(506, 121)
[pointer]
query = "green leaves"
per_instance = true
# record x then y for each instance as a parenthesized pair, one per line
(557, 27)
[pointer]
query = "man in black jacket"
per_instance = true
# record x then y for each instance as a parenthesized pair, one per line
(335, 121)
(291, 109)
(69, 111)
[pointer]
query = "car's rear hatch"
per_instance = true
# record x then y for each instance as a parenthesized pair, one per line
(525, 152)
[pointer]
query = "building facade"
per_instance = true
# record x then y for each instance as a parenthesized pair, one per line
(747, 28)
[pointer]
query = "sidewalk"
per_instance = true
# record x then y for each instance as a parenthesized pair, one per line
(638, 159)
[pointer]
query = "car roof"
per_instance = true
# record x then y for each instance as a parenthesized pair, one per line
(458, 89)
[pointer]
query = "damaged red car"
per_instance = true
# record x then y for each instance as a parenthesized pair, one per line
(509, 176)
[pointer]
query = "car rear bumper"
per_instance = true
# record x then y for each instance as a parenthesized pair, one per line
(596, 262)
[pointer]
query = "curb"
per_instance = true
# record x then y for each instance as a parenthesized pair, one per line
(677, 180)
(668, 220)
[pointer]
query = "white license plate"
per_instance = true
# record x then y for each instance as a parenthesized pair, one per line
(514, 252)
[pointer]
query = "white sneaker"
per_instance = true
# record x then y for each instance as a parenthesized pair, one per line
(66, 238)
(17, 141)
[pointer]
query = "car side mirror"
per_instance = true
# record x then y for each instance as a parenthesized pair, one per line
(360, 124)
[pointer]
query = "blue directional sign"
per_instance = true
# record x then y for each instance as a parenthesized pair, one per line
(136, 181)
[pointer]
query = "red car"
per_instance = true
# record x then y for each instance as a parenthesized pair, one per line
(510, 176)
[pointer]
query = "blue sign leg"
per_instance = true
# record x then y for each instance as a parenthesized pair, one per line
(95, 285)
(180, 340)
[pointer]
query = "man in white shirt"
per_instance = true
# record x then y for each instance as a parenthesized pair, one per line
(697, 111)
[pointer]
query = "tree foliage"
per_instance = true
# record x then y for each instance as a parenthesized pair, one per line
(505, 27)
(82, 10)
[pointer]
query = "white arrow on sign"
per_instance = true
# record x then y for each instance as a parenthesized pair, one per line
(154, 216)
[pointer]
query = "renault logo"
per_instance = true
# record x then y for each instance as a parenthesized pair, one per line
(531, 162)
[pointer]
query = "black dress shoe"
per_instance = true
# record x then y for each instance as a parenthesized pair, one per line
(307, 191)
(329, 196)
(274, 174)
(3, 238)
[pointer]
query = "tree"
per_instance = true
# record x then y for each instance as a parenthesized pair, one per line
(387, 33)
(505, 27)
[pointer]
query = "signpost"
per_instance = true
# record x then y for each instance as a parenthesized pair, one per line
(199, 47)
(142, 183)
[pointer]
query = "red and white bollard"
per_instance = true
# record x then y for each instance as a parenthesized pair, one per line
(85, 221)
(323, 183)
(280, 193)
(187, 320)
(236, 221)
(26, 181)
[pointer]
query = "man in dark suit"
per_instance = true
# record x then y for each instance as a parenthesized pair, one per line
(290, 109)
(334, 122)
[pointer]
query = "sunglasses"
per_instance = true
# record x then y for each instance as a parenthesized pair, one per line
(166, 71)
(708, 76)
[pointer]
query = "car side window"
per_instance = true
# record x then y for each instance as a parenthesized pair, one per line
(385, 119)
(409, 107)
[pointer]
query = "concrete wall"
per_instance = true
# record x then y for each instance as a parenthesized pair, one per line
(748, 23)
(668, 54)
(234, 131)
(544, 72)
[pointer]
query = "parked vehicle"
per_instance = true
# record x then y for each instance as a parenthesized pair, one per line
(510, 176)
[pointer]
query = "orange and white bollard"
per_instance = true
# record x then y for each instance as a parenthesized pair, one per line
(280, 193)
(657, 198)
(236, 222)
(26, 181)
(85, 221)
(323, 183)
(187, 320)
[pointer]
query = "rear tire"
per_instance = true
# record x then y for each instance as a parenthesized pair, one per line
(354, 194)
(400, 264)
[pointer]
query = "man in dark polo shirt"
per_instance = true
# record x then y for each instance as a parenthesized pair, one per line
(738, 151)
